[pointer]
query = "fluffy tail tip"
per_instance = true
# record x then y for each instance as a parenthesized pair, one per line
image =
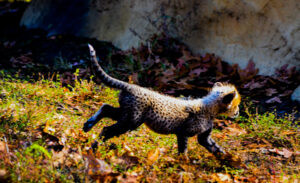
(92, 50)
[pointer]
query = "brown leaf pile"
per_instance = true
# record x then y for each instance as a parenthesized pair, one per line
(169, 66)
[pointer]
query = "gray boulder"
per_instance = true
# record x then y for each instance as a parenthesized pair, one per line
(296, 94)
(265, 31)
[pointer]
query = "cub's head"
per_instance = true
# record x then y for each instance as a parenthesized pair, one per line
(229, 99)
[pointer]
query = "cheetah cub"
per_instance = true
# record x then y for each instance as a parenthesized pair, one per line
(165, 114)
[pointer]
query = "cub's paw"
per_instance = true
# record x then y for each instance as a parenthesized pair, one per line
(183, 157)
(88, 126)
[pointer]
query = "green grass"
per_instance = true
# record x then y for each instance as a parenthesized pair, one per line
(33, 114)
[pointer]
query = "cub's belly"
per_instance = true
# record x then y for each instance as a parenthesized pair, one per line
(164, 121)
(165, 125)
(161, 127)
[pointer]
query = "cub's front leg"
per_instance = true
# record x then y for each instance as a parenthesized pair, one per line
(205, 140)
(182, 141)
(225, 158)
(182, 144)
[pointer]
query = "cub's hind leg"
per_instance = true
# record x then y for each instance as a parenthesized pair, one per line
(115, 130)
(105, 111)
(126, 123)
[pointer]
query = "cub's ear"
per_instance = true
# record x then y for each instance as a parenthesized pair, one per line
(219, 84)
(228, 98)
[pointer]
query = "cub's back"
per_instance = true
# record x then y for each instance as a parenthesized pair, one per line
(154, 104)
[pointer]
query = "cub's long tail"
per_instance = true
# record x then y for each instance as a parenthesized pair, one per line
(105, 78)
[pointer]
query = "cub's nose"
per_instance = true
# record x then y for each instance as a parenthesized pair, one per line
(236, 114)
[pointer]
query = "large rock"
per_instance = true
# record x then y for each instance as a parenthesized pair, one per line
(296, 94)
(265, 31)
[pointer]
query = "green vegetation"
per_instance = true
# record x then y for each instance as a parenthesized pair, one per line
(41, 140)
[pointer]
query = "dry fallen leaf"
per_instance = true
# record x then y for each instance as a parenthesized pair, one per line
(288, 132)
(220, 177)
(133, 79)
(197, 72)
(245, 179)
(98, 169)
(2, 147)
(96, 166)
(169, 159)
(126, 160)
(234, 130)
(2, 172)
(231, 160)
(286, 93)
(206, 58)
(284, 152)
(185, 176)
(273, 100)
(127, 178)
(270, 92)
(3, 175)
(58, 158)
(249, 72)
(221, 123)
(254, 84)
(220, 136)
(153, 156)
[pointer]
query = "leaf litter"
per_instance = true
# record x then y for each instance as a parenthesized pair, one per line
(138, 156)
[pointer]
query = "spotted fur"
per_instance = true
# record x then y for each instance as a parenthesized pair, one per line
(164, 114)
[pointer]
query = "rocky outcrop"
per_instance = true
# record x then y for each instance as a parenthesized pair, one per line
(296, 94)
(265, 31)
